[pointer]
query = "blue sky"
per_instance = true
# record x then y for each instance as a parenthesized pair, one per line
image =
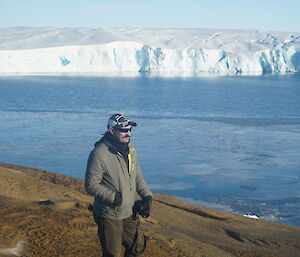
(281, 15)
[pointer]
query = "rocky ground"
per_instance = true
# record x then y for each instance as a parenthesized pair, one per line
(45, 214)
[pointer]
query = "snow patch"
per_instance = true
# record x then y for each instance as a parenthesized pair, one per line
(17, 251)
(251, 216)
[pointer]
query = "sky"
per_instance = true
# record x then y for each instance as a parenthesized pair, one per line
(276, 15)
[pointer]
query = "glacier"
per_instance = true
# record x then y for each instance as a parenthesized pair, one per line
(39, 50)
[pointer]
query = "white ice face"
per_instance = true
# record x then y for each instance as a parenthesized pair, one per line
(159, 51)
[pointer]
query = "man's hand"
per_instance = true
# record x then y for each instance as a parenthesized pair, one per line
(146, 206)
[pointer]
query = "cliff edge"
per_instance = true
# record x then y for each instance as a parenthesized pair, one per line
(45, 214)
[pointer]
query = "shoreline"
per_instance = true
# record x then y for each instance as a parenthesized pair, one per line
(135, 74)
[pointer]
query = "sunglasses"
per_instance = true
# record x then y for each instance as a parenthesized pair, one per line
(123, 130)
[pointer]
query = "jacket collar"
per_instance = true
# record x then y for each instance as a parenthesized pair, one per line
(111, 147)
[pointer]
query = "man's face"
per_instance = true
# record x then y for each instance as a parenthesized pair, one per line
(122, 134)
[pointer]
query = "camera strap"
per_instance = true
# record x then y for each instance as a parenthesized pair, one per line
(134, 246)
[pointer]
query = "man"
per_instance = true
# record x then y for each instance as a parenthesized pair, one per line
(113, 177)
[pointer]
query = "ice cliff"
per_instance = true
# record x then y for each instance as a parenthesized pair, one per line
(159, 51)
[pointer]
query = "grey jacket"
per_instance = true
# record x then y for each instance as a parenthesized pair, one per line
(106, 174)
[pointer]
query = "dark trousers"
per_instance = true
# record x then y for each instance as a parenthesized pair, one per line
(115, 233)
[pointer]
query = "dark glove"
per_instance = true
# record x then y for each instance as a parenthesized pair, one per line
(146, 206)
(118, 199)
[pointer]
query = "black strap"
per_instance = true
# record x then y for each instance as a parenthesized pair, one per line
(134, 243)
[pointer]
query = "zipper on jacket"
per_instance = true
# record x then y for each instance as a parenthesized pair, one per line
(129, 168)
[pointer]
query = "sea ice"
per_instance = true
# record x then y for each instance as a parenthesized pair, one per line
(251, 216)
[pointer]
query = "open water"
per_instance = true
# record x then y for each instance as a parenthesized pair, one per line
(230, 142)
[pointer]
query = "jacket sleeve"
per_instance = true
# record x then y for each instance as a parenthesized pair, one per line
(141, 185)
(94, 178)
